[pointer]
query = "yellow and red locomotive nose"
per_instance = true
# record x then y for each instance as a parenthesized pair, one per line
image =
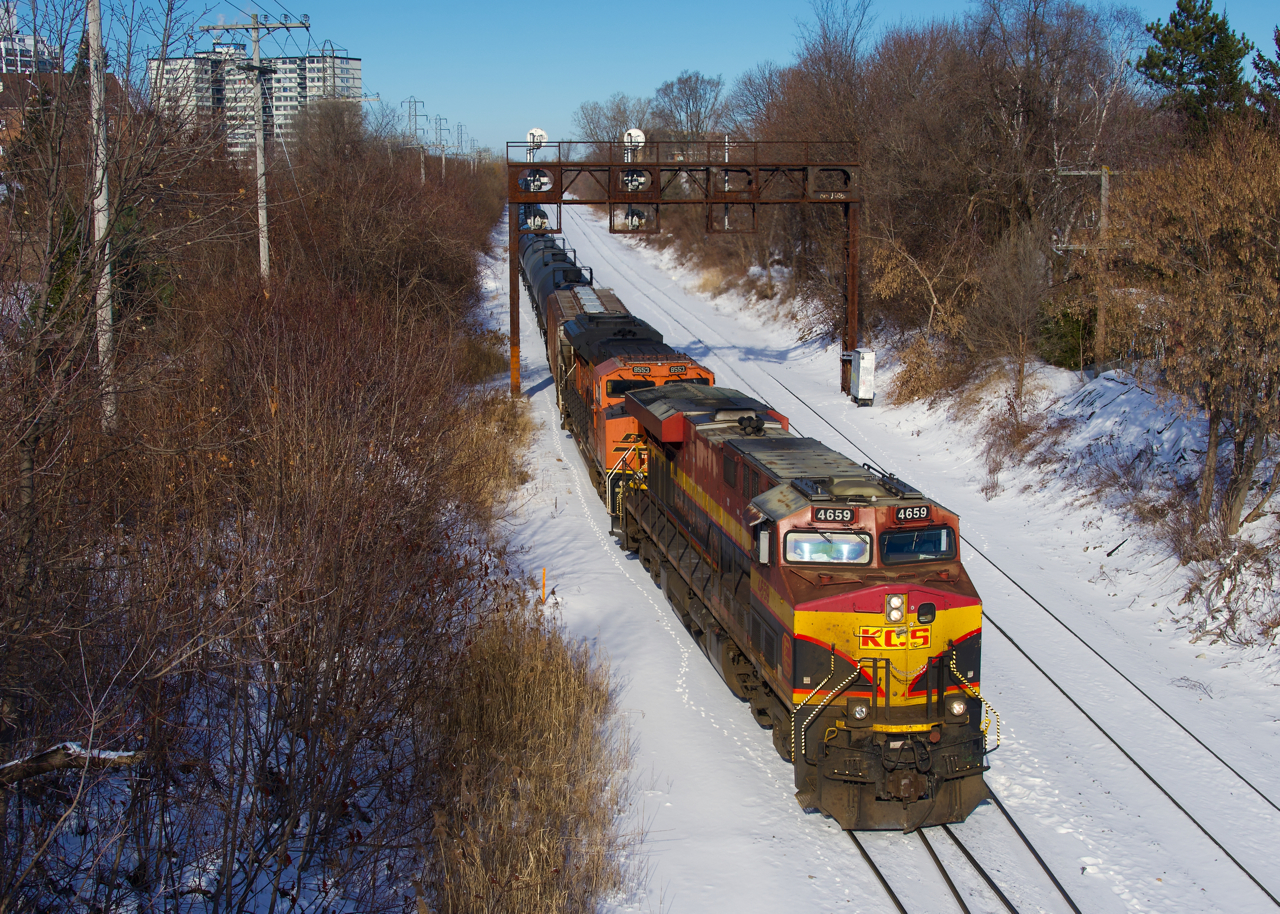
(906, 626)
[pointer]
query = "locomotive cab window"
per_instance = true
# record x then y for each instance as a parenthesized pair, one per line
(618, 387)
(929, 545)
(804, 546)
(763, 539)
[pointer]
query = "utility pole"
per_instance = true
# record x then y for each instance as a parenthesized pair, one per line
(1100, 326)
(459, 138)
(441, 130)
(105, 324)
(416, 132)
(255, 29)
(1104, 173)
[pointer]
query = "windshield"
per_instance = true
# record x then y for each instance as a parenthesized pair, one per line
(619, 387)
(840, 548)
(917, 546)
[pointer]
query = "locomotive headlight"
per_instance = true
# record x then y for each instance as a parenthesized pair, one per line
(895, 607)
(958, 707)
(860, 712)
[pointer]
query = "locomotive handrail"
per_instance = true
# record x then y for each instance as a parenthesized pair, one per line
(567, 375)
(988, 711)
(608, 479)
(795, 716)
(819, 708)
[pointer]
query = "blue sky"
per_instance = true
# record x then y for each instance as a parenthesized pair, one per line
(501, 67)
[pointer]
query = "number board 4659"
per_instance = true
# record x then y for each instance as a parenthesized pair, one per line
(833, 515)
(915, 512)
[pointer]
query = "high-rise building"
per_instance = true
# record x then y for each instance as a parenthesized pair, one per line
(219, 84)
(22, 53)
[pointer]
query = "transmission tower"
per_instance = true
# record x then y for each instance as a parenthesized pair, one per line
(414, 105)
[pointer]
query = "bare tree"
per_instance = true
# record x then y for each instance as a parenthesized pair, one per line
(155, 582)
(753, 105)
(1203, 232)
(607, 121)
(826, 82)
(690, 107)
(1053, 77)
(1009, 308)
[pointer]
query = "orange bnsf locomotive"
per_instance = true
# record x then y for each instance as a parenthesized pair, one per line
(598, 352)
(828, 596)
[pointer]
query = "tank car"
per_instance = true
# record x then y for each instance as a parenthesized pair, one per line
(829, 596)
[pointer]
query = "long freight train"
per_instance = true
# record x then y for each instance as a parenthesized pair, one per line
(829, 596)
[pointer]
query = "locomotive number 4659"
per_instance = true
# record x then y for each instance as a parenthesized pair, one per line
(833, 515)
(919, 512)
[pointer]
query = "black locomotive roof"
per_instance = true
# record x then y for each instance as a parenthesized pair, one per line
(644, 349)
(797, 458)
(699, 402)
(663, 410)
(588, 333)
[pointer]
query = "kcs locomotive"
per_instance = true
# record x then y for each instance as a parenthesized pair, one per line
(829, 596)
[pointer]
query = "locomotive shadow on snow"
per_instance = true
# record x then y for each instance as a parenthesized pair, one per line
(538, 388)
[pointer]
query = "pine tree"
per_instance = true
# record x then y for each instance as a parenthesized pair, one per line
(1197, 61)
(1266, 96)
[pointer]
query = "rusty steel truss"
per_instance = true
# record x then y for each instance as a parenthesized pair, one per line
(731, 180)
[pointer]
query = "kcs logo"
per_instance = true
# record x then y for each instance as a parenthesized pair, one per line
(893, 637)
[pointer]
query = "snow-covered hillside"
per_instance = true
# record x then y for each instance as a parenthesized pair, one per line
(1085, 614)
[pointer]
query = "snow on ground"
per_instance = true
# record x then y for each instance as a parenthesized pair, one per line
(722, 829)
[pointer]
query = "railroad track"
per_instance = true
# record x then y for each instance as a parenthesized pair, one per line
(961, 898)
(1147, 698)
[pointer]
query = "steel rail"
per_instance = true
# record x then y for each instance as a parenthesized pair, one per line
(991, 883)
(978, 868)
(884, 883)
(955, 893)
(1035, 853)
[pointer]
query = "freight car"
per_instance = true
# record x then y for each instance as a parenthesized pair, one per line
(829, 596)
